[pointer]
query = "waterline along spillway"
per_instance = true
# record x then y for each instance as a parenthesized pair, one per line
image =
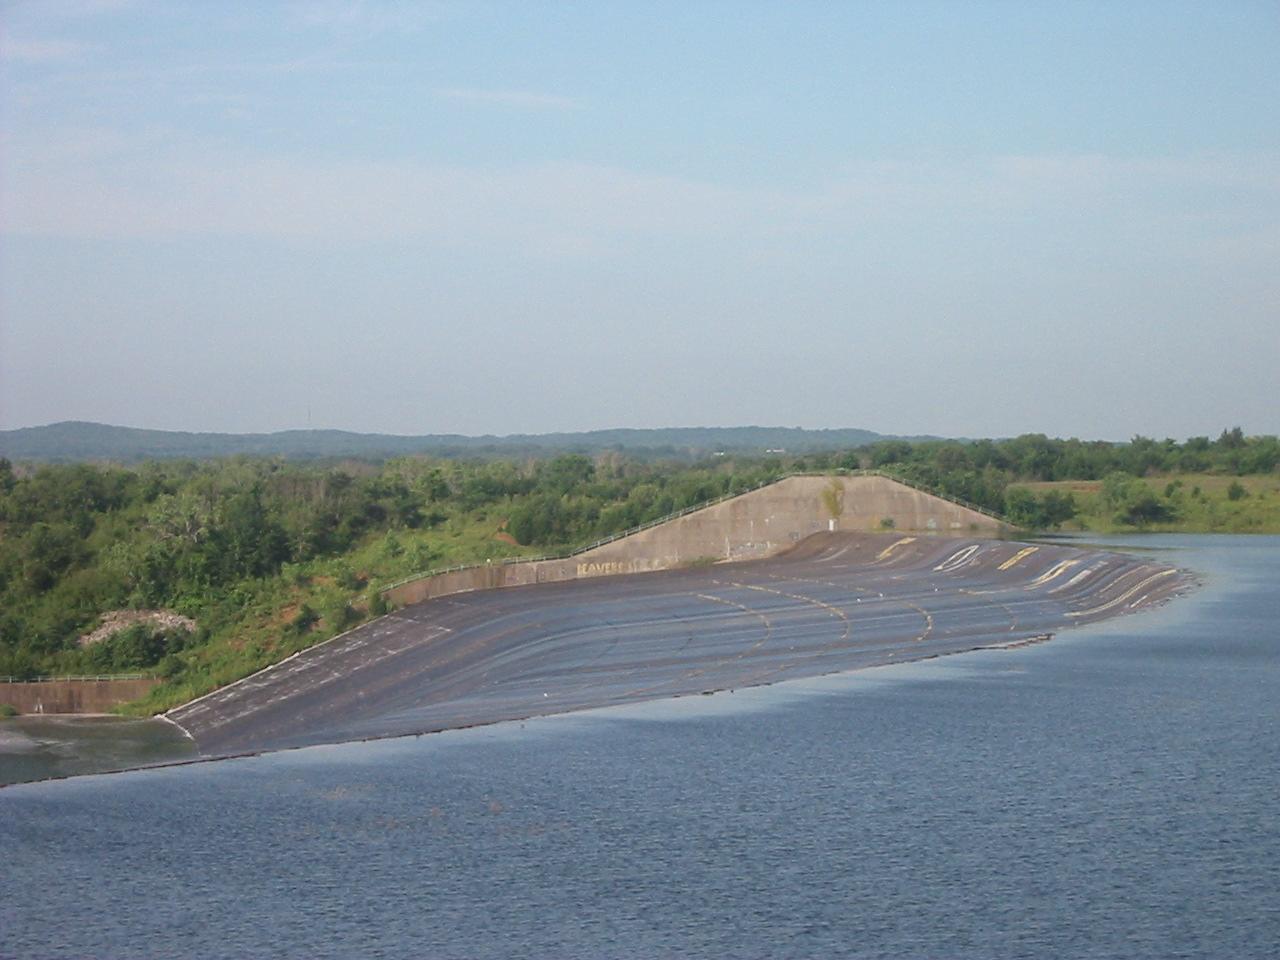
(838, 601)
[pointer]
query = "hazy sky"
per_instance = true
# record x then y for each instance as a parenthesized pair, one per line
(973, 219)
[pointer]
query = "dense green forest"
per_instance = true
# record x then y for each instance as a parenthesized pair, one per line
(269, 556)
(212, 539)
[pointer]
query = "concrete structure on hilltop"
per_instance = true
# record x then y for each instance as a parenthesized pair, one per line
(755, 525)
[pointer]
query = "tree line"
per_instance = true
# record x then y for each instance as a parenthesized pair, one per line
(200, 538)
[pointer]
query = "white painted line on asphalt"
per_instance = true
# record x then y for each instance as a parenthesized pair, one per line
(1078, 578)
(834, 556)
(255, 706)
(290, 666)
(185, 732)
(957, 559)
(234, 683)
(1124, 596)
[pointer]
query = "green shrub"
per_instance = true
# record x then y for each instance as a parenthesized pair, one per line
(348, 579)
(135, 648)
(170, 666)
(305, 619)
(1029, 512)
(1133, 503)
(340, 615)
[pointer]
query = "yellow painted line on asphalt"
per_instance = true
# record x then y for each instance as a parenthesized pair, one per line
(834, 611)
(690, 674)
(884, 554)
(1052, 574)
(1017, 558)
(758, 614)
(928, 617)
(1013, 616)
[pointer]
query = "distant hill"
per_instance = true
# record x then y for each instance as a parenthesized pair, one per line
(77, 441)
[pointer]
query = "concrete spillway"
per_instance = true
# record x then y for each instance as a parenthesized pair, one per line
(838, 601)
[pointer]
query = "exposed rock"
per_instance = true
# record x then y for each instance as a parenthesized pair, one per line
(116, 620)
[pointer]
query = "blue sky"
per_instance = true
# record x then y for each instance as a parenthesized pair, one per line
(957, 218)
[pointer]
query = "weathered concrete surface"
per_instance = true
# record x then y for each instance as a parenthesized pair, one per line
(756, 525)
(775, 518)
(73, 696)
(838, 601)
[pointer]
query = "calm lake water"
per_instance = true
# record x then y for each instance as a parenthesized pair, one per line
(1110, 794)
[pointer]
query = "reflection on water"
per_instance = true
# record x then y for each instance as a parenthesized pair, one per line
(36, 748)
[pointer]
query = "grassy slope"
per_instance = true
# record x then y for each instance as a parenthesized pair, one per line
(1208, 512)
(258, 627)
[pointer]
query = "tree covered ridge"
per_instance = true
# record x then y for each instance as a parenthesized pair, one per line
(269, 555)
(72, 441)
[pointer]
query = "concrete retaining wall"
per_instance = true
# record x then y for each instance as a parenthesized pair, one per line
(73, 696)
(757, 524)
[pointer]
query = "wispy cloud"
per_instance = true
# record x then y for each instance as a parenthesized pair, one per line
(557, 206)
(80, 9)
(64, 12)
(366, 18)
(22, 50)
(1199, 207)
(522, 99)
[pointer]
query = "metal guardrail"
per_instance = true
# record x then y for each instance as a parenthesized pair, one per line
(506, 561)
(98, 677)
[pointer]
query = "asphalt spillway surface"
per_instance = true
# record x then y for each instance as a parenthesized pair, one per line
(835, 602)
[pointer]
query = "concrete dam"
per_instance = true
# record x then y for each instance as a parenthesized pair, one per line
(802, 587)
(751, 526)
